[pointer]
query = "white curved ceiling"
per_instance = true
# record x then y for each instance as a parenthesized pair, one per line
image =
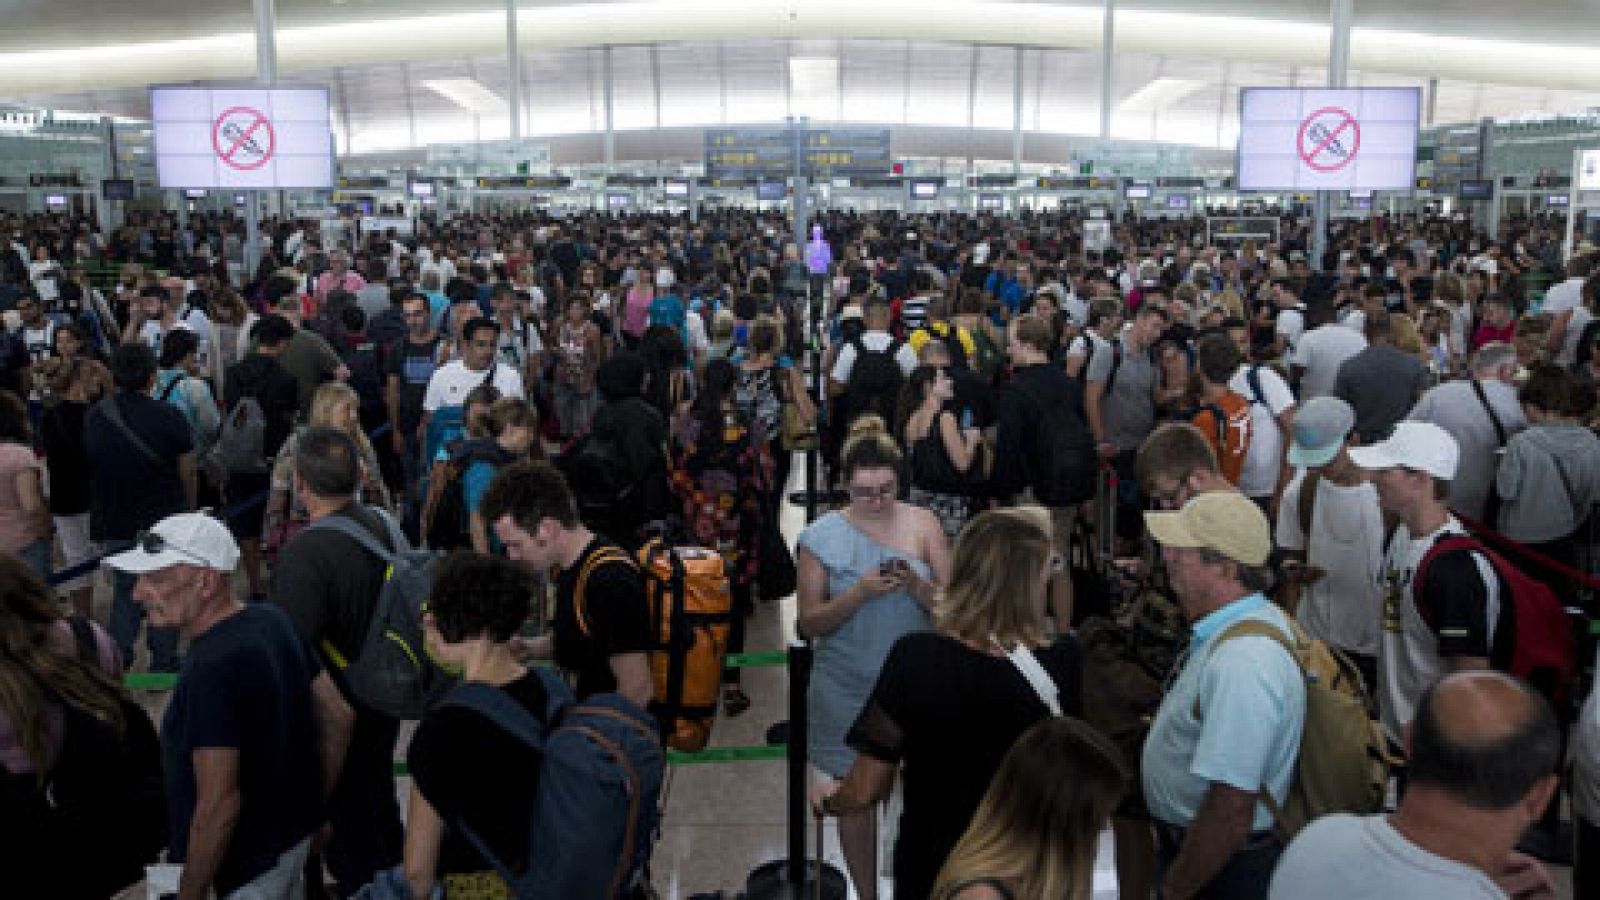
(1472, 41)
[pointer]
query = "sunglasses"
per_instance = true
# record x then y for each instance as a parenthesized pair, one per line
(153, 543)
(881, 492)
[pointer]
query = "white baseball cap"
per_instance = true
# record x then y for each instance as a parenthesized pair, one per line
(194, 539)
(1422, 446)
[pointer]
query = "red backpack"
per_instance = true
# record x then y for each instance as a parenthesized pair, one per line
(1543, 649)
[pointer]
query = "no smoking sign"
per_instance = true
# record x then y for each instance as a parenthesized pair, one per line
(1329, 139)
(243, 138)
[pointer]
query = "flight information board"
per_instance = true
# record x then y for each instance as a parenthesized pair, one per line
(769, 152)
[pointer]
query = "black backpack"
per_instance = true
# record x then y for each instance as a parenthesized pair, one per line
(445, 514)
(365, 363)
(608, 496)
(875, 382)
(1062, 460)
(102, 792)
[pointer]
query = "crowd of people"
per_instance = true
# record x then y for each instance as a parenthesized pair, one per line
(1049, 473)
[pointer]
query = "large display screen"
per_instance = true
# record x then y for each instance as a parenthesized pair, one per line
(242, 137)
(1310, 139)
(925, 188)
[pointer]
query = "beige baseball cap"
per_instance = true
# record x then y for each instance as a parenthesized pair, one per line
(1227, 522)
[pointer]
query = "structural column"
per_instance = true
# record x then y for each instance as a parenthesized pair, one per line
(606, 90)
(1107, 41)
(1338, 71)
(266, 73)
(514, 68)
(1016, 115)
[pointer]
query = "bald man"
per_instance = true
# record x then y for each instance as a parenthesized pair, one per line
(1483, 755)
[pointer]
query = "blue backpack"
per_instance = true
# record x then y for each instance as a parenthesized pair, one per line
(597, 813)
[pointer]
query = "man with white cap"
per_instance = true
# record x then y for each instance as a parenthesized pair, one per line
(255, 731)
(1332, 526)
(1446, 623)
(1228, 730)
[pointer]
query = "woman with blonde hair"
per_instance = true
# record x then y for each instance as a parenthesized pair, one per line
(868, 575)
(1035, 833)
(335, 404)
(950, 703)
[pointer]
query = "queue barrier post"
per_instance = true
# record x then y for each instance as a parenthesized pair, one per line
(798, 876)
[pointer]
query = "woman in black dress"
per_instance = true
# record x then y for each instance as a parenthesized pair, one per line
(949, 703)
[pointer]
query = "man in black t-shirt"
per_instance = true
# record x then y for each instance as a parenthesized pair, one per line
(142, 454)
(258, 375)
(329, 586)
(255, 726)
(409, 366)
(601, 632)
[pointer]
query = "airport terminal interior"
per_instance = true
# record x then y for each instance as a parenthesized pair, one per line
(1225, 214)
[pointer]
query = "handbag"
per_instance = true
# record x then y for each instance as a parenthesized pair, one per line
(795, 433)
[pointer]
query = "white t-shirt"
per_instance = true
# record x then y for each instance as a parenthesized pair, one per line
(453, 381)
(1345, 857)
(874, 342)
(696, 325)
(1564, 296)
(1346, 542)
(1291, 324)
(47, 287)
(1322, 351)
(1581, 317)
(1259, 477)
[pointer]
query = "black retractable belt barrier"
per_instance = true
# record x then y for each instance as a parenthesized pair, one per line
(799, 876)
(815, 493)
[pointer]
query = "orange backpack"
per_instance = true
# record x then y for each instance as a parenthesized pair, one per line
(691, 612)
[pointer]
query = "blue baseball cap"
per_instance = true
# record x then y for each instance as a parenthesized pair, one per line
(1319, 430)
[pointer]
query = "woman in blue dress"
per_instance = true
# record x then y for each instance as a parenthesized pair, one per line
(869, 574)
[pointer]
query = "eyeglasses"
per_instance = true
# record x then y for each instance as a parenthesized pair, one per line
(153, 543)
(881, 492)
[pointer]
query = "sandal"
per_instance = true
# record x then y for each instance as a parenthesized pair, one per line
(734, 702)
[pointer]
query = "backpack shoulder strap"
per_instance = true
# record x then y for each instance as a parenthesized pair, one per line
(1252, 377)
(511, 717)
(113, 414)
(1494, 417)
(166, 392)
(1259, 628)
(354, 531)
(1451, 543)
(83, 636)
(498, 707)
(593, 561)
(1308, 501)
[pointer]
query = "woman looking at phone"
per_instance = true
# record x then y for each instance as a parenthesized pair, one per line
(869, 574)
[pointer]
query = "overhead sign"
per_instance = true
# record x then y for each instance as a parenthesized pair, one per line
(1589, 170)
(1241, 228)
(523, 182)
(769, 152)
(1091, 183)
(1302, 139)
(220, 138)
